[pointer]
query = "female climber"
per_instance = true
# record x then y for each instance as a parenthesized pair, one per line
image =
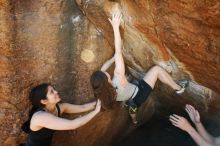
(44, 117)
(118, 88)
(202, 137)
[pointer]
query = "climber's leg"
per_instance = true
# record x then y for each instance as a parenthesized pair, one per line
(147, 84)
(157, 72)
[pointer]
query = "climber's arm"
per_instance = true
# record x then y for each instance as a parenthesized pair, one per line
(119, 61)
(107, 64)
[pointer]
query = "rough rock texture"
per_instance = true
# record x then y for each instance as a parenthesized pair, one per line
(63, 42)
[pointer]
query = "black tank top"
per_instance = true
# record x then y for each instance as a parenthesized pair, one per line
(42, 137)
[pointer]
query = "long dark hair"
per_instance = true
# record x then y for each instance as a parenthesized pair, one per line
(36, 95)
(102, 89)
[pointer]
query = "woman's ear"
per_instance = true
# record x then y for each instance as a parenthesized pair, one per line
(43, 101)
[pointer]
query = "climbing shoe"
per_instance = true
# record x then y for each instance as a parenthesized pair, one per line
(183, 84)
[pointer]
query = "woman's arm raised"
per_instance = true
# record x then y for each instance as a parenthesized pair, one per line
(119, 61)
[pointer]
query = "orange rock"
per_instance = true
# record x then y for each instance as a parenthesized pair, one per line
(63, 42)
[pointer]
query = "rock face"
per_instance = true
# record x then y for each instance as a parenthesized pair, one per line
(63, 42)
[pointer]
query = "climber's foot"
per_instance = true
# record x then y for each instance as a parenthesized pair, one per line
(183, 84)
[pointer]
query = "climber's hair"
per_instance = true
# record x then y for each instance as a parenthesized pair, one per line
(102, 89)
(36, 95)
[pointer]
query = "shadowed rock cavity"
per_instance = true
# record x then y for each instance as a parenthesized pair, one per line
(63, 42)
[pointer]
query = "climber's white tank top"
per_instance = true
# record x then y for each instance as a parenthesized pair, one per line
(124, 92)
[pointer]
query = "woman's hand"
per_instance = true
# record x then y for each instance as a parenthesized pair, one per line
(180, 122)
(98, 106)
(193, 114)
(116, 20)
